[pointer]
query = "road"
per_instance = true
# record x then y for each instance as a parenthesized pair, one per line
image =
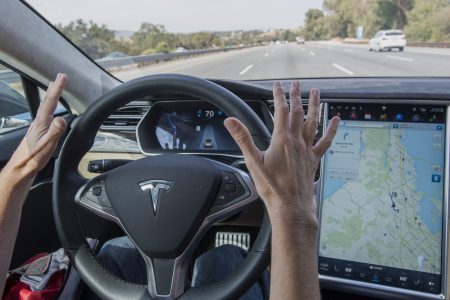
(313, 59)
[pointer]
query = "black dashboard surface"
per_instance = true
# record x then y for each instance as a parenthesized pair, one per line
(407, 88)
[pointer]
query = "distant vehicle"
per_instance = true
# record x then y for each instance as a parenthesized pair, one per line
(388, 40)
(208, 143)
(300, 40)
(114, 55)
(180, 49)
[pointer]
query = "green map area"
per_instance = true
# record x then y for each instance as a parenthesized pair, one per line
(380, 204)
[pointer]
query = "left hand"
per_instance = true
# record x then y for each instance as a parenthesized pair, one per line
(42, 137)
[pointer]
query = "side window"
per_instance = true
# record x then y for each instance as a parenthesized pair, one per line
(60, 109)
(14, 111)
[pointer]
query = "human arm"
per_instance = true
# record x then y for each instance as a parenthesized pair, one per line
(18, 175)
(284, 178)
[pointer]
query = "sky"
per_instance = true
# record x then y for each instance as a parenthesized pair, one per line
(180, 15)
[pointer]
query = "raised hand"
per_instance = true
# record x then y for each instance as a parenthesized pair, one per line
(284, 178)
(42, 137)
(284, 174)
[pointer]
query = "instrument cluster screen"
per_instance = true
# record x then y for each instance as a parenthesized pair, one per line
(194, 127)
(191, 126)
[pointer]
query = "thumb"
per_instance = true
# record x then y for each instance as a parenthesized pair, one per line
(242, 136)
(57, 128)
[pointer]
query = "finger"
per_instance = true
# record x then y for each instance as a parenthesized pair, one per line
(325, 141)
(281, 108)
(297, 113)
(242, 136)
(312, 119)
(48, 106)
(42, 156)
(57, 128)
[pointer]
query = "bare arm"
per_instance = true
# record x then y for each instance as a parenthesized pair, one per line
(284, 178)
(16, 178)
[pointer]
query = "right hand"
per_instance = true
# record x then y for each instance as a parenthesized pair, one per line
(284, 174)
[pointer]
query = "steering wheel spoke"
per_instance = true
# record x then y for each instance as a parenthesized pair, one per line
(93, 197)
(236, 191)
(167, 278)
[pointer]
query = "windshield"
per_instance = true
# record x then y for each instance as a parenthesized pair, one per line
(259, 39)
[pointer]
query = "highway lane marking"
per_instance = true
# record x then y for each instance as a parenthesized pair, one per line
(348, 50)
(341, 68)
(172, 66)
(245, 70)
(312, 53)
(267, 54)
(400, 58)
(303, 49)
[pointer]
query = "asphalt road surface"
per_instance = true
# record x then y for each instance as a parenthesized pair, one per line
(313, 59)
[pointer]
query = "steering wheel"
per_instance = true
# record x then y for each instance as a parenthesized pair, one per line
(165, 203)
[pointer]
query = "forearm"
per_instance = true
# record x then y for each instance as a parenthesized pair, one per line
(294, 256)
(14, 186)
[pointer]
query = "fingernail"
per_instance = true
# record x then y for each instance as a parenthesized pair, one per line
(315, 92)
(229, 124)
(58, 76)
(60, 124)
(277, 84)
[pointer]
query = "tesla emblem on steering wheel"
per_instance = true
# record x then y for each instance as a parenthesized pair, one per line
(155, 186)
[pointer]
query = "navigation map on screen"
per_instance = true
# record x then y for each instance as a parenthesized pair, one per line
(383, 189)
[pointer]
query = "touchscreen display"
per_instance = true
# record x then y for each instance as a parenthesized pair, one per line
(382, 196)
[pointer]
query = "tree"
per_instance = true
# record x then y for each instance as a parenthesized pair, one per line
(95, 40)
(314, 24)
(148, 37)
(429, 20)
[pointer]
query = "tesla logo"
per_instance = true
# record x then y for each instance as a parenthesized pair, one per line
(155, 186)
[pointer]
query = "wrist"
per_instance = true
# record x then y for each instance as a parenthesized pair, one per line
(294, 216)
(17, 171)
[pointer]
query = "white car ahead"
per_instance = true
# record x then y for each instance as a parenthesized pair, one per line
(388, 40)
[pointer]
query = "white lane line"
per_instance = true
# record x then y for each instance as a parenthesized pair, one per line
(399, 58)
(341, 68)
(246, 70)
(329, 48)
(303, 49)
(267, 54)
(312, 53)
(348, 50)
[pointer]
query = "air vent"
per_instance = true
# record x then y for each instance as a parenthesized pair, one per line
(125, 118)
(319, 129)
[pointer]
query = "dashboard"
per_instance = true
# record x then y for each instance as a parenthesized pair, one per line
(382, 188)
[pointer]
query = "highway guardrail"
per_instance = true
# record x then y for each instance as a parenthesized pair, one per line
(139, 60)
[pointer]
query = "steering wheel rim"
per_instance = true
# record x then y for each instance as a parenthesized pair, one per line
(68, 183)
